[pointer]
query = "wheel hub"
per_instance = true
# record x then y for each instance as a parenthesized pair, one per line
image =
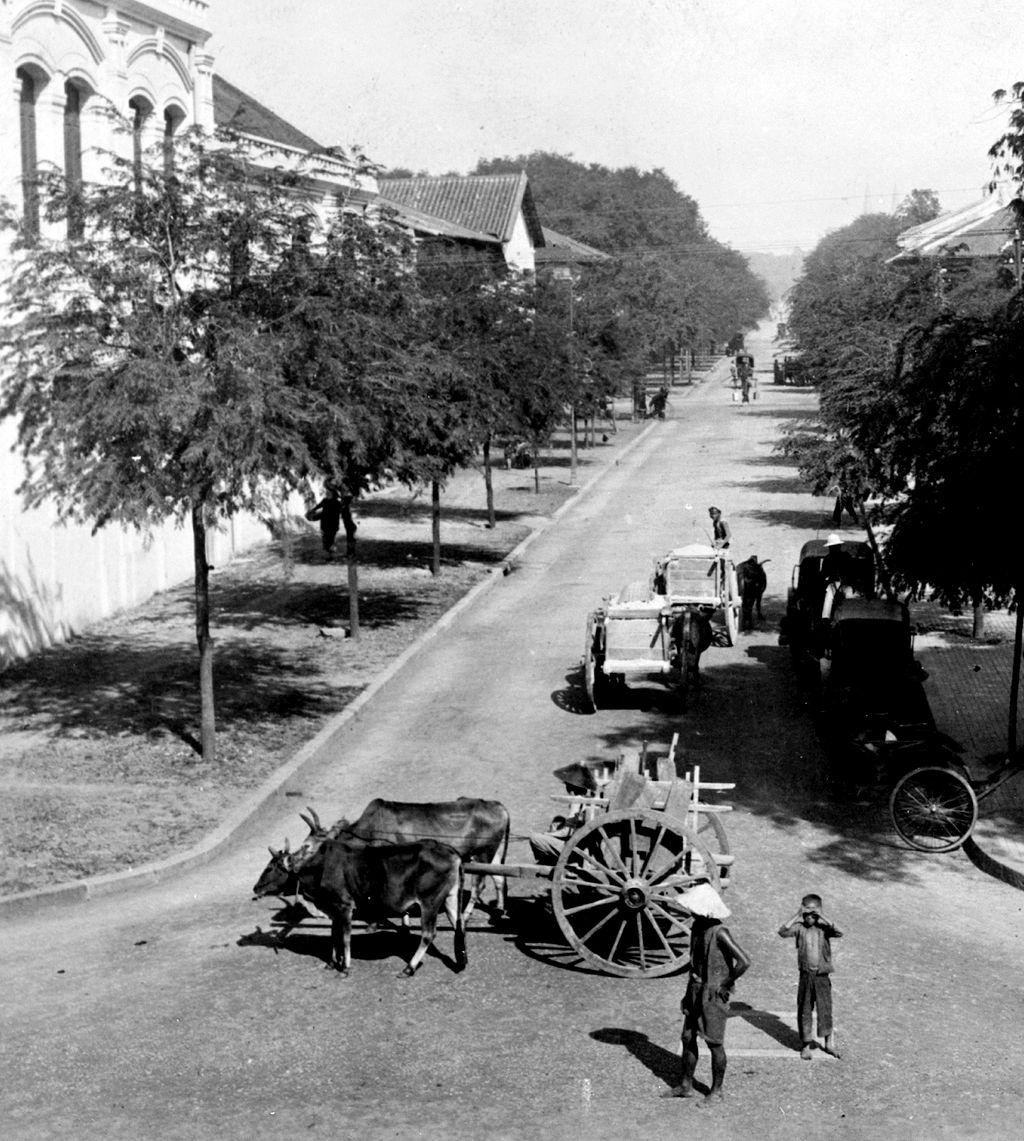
(635, 894)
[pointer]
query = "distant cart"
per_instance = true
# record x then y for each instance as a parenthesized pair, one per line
(649, 835)
(658, 628)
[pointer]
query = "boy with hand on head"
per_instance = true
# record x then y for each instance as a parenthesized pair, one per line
(813, 934)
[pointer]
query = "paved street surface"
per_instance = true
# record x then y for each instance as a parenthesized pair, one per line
(167, 1012)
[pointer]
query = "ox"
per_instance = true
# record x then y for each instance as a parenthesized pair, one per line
(691, 635)
(477, 829)
(345, 871)
(752, 583)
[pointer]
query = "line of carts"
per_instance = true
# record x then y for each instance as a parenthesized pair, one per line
(858, 671)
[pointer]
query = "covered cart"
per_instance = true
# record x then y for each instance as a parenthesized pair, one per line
(659, 629)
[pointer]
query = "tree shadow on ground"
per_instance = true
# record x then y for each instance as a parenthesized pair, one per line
(420, 509)
(103, 687)
(780, 413)
(788, 779)
(791, 485)
(800, 520)
(386, 554)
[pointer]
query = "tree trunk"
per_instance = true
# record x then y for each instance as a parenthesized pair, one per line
(1018, 646)
(489, 482)
(435, 525)
(208, 733)
(352, 566)
(978, 624)
(572, 444)
(536, 474)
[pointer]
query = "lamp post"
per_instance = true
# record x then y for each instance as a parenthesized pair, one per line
(564, 273)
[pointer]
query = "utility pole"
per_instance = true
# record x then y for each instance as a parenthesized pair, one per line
(1017, 267)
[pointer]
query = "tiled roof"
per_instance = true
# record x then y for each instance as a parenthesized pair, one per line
(423, 223)
(560, 249)
(486, 203)
(983, 229)
(233, 108)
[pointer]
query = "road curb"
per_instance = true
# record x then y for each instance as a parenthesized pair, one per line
(991, 866)
(96, 887)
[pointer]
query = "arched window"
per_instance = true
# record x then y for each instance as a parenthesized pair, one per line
(142, 111)
(73, 100)
(173, 118)
(29, 152)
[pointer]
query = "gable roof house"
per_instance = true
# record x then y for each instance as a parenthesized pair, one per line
(493, 213)
(982, 230)
(64, 62)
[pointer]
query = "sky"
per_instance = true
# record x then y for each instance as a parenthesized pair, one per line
(784, 119)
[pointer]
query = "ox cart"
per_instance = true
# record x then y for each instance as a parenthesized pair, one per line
(645, 834)
(660, 628)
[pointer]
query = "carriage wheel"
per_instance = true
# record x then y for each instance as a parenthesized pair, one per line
(614, 886)
(711, 833)
(590, 666)
(934, 809)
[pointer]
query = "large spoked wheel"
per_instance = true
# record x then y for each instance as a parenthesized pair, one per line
(590, 666)
(711, 833)
(614, 886)
(732, 607)
(934, 809)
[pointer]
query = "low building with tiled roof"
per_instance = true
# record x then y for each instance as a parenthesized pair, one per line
(984, 229)
(559, 250)
(491, 208)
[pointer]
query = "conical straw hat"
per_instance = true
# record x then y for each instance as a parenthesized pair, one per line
(703, 900)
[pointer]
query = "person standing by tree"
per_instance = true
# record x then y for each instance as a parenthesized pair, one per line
(328, 514)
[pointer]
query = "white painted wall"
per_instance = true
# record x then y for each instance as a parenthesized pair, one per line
(519, 249)
(55, 580)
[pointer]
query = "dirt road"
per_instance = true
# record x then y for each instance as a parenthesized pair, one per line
(166, 1012)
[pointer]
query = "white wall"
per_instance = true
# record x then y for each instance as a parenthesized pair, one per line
(56, 580)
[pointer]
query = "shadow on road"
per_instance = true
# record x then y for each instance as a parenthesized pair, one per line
(662, 1063)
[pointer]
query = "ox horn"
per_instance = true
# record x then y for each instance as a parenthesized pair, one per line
(316, 819)
(273, 851)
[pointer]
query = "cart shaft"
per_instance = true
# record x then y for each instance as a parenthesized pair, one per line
(516, 871)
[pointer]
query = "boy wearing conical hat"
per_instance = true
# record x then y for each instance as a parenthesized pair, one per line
(716, 962)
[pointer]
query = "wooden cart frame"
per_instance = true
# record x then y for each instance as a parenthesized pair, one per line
(648, 836)
(644, 630)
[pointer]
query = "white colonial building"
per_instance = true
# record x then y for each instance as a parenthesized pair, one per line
(63, 63)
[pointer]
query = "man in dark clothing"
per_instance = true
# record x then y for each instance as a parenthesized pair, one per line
(716, 962)
(722, 536)
(328, 514)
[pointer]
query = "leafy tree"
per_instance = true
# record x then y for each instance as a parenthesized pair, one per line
(146, 357)
(705, 291)
(350, 306)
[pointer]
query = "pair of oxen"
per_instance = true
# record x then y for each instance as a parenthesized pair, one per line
(394, 857)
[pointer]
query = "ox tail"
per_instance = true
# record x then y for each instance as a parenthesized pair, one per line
(461, 953)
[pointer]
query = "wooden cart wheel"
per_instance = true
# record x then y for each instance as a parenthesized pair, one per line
(732, 606)
(614, 886)
(934, 808)
(711, 833)
(590, 666)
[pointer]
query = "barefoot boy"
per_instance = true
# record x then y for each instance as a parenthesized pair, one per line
(813, 934)
(716, 962)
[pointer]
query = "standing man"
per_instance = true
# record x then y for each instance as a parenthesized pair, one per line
(722, 535)
(716, 962)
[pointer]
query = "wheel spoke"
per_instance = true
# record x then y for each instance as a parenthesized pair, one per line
(597, 926)
(674, 920)
(632, 845)
(608, 846)
(640, 941)
(604, 901)
(602, 869)
(592, 885)
(671, 869)
(618, 939)
(661, 935)
(655, 845)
